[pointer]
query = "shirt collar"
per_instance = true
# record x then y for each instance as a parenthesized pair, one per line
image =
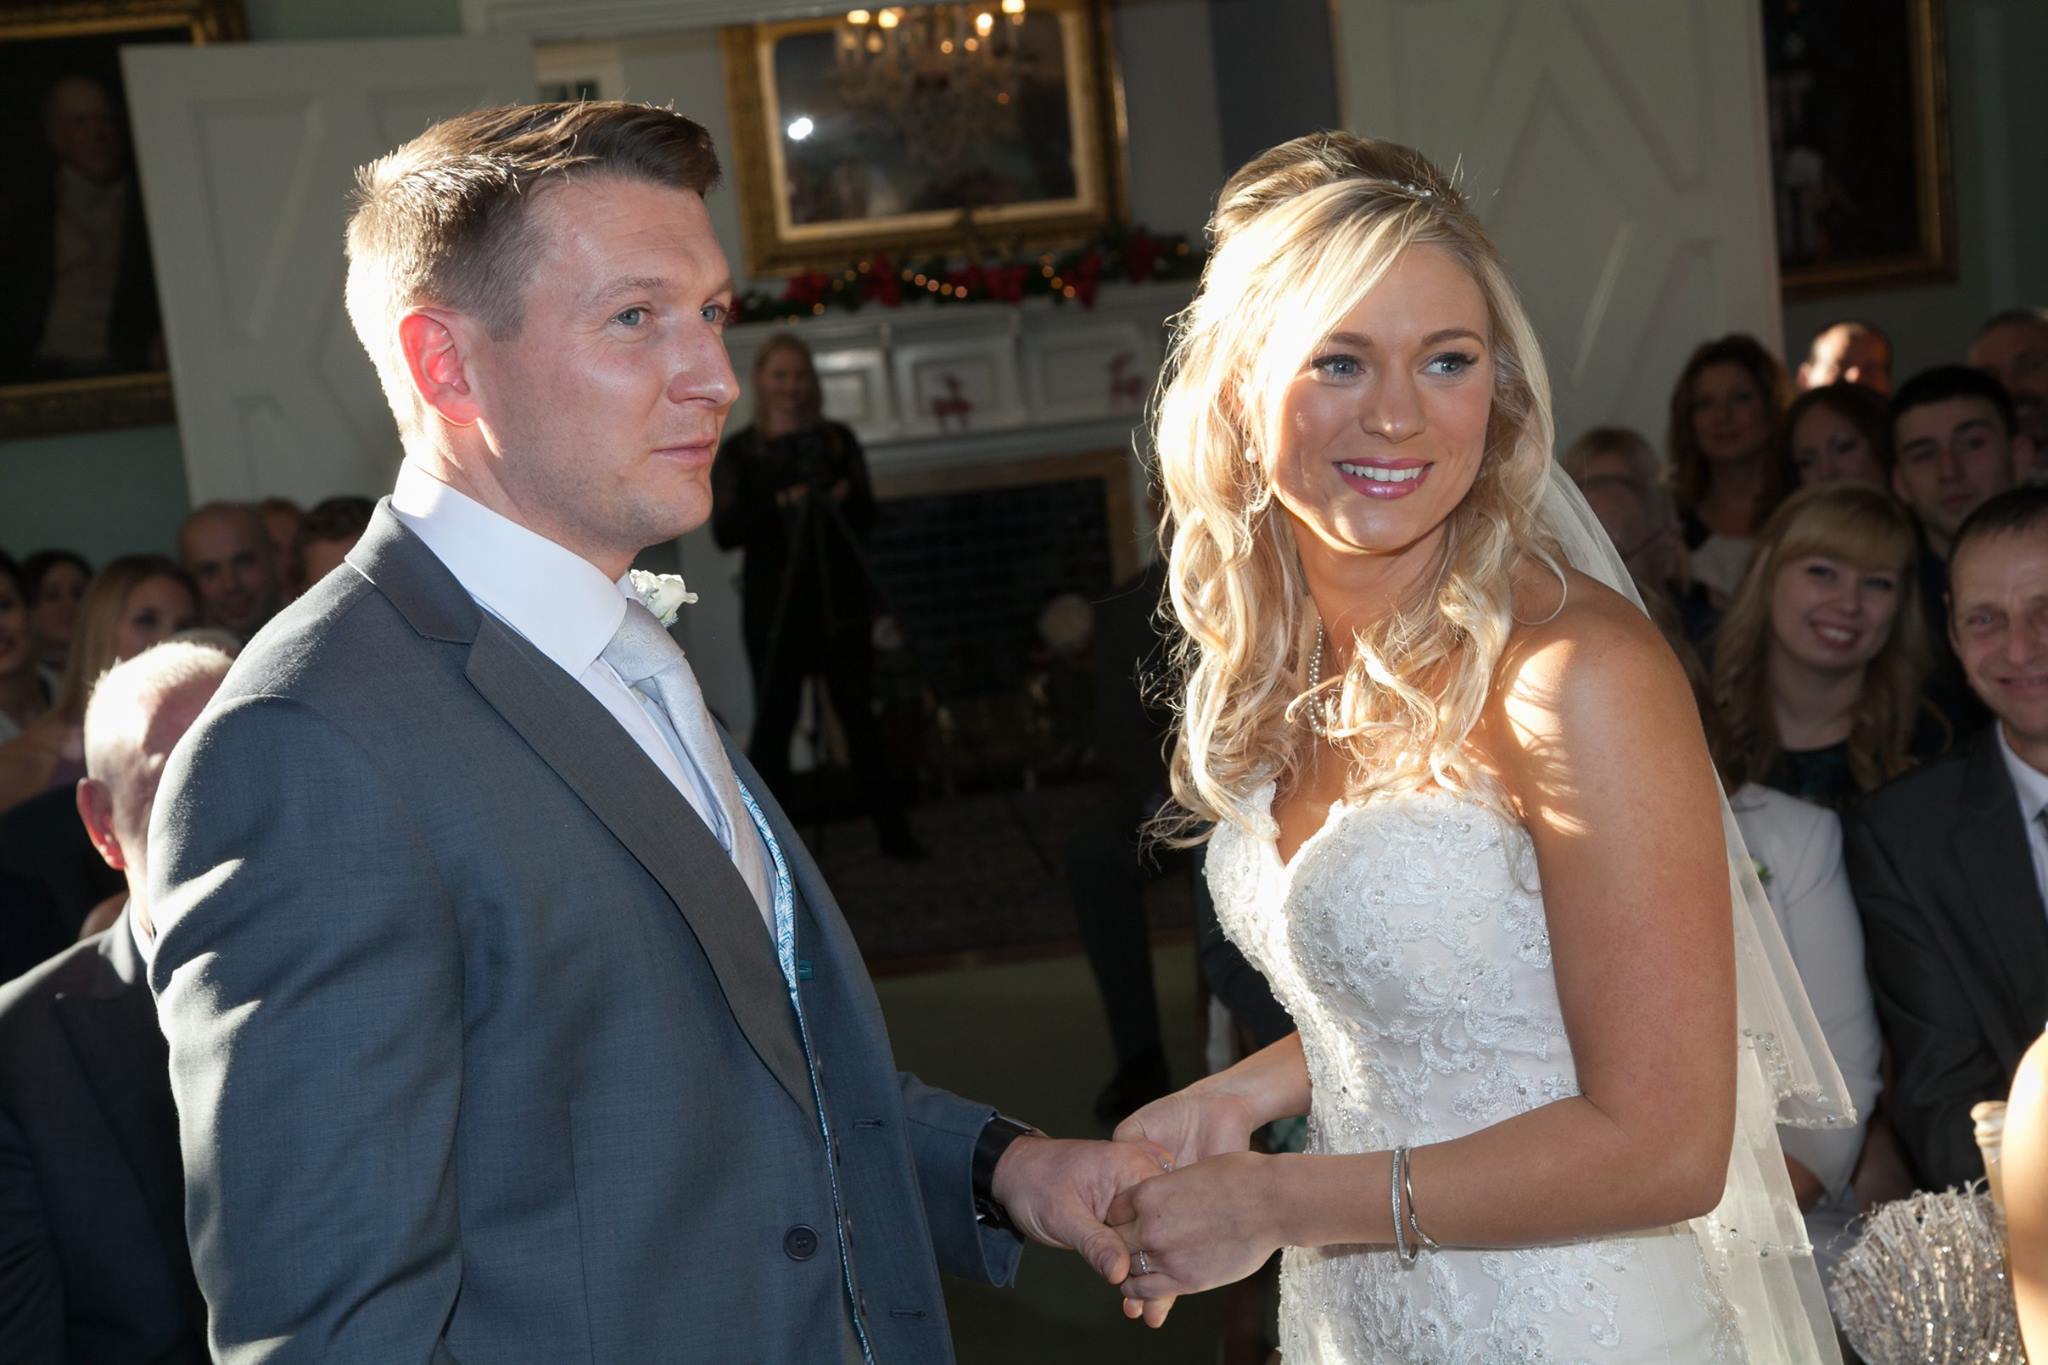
(145, 946)
(561, 602)
(2028, 781)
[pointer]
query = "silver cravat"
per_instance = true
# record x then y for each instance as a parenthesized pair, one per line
(648, 660)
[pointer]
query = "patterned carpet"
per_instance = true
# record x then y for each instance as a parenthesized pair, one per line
(993, 886)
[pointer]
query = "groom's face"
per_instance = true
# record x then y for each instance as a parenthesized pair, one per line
(604, 409)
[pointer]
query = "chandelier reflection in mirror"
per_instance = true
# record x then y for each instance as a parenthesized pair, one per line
(947, 85)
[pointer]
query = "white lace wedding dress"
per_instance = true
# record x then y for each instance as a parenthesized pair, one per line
(1407, 938)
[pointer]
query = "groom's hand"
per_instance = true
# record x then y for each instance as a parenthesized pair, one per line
(1058, 1192)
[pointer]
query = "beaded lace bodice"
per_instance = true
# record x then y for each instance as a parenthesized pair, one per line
(1408, 939)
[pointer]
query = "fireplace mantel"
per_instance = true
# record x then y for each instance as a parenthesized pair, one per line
(966, 384)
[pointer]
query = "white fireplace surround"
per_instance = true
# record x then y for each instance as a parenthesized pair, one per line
(939, 385)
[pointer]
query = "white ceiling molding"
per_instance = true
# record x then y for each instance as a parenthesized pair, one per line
(570, 20)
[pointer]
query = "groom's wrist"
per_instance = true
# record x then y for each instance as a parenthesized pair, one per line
(994, 1142)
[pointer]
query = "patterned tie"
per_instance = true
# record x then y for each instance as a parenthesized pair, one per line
(648, 660)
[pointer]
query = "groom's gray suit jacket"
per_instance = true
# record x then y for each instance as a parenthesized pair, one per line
(480, 1046)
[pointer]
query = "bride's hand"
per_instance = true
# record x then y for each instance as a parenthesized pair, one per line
(1201, 1226)
(1193, 1124)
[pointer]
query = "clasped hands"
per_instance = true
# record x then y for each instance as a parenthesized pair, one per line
(1178, 1184)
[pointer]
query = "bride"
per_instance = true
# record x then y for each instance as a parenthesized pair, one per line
(1466, 824)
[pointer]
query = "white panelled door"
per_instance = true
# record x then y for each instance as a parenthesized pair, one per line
(248, 155)
(1615, 150)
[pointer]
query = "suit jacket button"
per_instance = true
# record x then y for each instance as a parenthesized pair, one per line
(800, 1243)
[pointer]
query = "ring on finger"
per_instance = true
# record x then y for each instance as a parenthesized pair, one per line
(1141, 1262)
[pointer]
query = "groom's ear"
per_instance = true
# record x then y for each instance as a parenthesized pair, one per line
(435, 356)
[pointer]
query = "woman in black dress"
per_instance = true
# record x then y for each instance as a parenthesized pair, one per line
(792, 489)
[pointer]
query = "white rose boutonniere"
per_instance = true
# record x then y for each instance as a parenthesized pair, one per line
(661, 593)
(1763, 872)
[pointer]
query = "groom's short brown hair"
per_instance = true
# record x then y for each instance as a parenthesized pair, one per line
(447, 218)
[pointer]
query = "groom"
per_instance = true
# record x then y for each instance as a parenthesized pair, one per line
(508, 1019)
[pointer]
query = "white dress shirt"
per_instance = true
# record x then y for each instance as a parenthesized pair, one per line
(2030, 785)
(560, 603)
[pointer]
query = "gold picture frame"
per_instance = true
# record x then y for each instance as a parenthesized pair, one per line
(46, 388)
(1862, 190)
(880, 171)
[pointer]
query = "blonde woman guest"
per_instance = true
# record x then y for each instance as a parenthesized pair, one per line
(23, 696)
(1839, 433)
(1465, 824)
(1819, 666)
(1724, 467)
(134, 602)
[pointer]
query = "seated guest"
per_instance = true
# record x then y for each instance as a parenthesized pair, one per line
(1955, 447)
(327, 534)
(1798, 847)
(23, 694)
(134, 602)
(1848, 352)
(2012, 347)
(1724, 470)
(281, 522)
(93, 1259)
(1819, 661)
(228, 553)
(1950, 862)
(1640, 521)
(55, 582)
(1622, 452)
(1838, 433)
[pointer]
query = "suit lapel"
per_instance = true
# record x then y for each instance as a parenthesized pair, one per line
(112, 1029)
(2003, 909)
(598, 761)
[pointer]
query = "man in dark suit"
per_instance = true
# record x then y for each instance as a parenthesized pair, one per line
(1949, 863)
(509, 1020)
(93, 1265)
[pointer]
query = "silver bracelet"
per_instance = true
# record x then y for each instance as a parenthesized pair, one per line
(1422, 1238)
(1402, 1249)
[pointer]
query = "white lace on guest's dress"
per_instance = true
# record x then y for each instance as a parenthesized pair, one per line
(1407, 938)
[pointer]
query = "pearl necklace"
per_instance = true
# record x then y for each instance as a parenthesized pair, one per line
(1321, 713)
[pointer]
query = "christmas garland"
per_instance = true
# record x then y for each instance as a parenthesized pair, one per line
(1068, 276)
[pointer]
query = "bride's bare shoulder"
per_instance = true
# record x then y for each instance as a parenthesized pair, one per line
(1583, 660)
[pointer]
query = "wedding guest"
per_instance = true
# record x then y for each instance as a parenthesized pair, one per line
(23, 694)
(134, 602)
(2012, 347)
(1724, 412)
(1640, 521)
(2025, 1158)
(1956, 447)
(1848, 352)
(1836, 433)
(1620, 451)
(227, 550)
(282, 519)
(55, 582)
(1949, 863)
(330, 530)
(1798, 847)
(792, 490)
(1819, 661)
(93, 1259)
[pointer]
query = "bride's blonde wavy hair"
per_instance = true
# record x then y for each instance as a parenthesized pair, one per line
(1300, 235)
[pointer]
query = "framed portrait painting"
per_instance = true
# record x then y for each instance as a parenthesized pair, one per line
(81, 338)
(925, 128)
(1858, 99)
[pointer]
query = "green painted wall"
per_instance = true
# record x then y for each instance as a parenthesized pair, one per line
(106, 493)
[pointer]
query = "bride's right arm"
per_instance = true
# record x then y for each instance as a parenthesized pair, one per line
(1219, 1113)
